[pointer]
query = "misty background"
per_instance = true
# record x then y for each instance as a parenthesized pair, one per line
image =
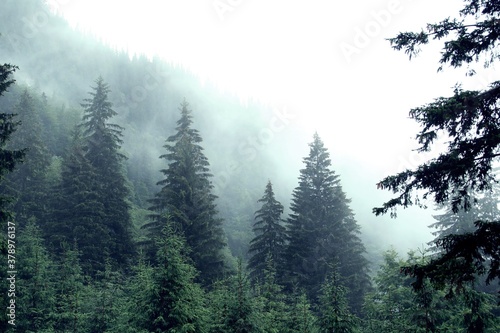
(261, 79)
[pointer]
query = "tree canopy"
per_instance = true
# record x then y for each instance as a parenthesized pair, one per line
(470, 120)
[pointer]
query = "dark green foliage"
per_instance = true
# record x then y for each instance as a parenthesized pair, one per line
(269, 242)
(103, 297)
(272, 307)
(470, 119)
(301, 318)
(334, 314)
(69, 315)
(8, 160)
(186, 199)
(77, 210)
(240, 316)
(177, 302)
(112, 234)
(394, 306)
(27, 183)
(36, 293)
(136, 309)
(322, 231)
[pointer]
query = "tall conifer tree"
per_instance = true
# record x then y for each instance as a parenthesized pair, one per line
(322, 230)
(8, 160)
(186, 201)
(102, 150)
(27, 182)
(270, 235)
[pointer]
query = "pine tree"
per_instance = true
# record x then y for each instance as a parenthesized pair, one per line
(27, 183)
(70, 294)
(485, 207)
(390, 306)
(177, 302)
(8, 160)
(273, 310)
(36, 296)
(334, 314)
(186, 199)
(240, 316)
(102, 145)
(468, 119)
(136, 309)
(77, 210)
(301, 319)
(394, 306)
(270, 236)
(322, 231)
(103, 296)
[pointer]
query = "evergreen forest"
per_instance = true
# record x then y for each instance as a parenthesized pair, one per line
(130, 201)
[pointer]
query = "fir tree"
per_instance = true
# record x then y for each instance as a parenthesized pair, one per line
(322, 230)
(8, 160)
(177, 302)
(27, 182)
(268, 245)
(273, 309)
(485, 207)
(36, 296)
(301, 319)
(469, 122)
(77, 210)
(240, 308)
(102, 145)
(334, 314)
(70, 294)
(186, 198)
(136, 309)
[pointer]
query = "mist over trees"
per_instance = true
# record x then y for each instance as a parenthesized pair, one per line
(138, 206)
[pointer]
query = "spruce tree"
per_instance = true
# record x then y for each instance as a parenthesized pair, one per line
(301, 318)
(241, 316)
(36, 292)
(322, 231)
(334, 314)
(186, 201)
(273, 309)
(69, 315)
(27, 183)
(77, 210)
(485, 207)
(8, 160)
(468, 120)
(177, 302)
(102, 150)
(270, 236)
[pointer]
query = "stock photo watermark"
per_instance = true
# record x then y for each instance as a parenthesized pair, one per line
(223, 7)
(248, 149)
(363, 35)
(30, 26)
(11, 273)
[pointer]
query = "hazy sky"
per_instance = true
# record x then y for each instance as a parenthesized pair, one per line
(327, 62)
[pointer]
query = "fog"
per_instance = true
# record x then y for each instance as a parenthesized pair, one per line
(261, 79)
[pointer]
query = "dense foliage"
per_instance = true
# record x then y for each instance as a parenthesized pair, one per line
(103, 245)
(470, 122)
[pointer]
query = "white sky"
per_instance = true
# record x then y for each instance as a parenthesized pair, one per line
(325, 60)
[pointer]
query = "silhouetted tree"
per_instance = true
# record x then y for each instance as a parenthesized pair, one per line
(469, 121)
